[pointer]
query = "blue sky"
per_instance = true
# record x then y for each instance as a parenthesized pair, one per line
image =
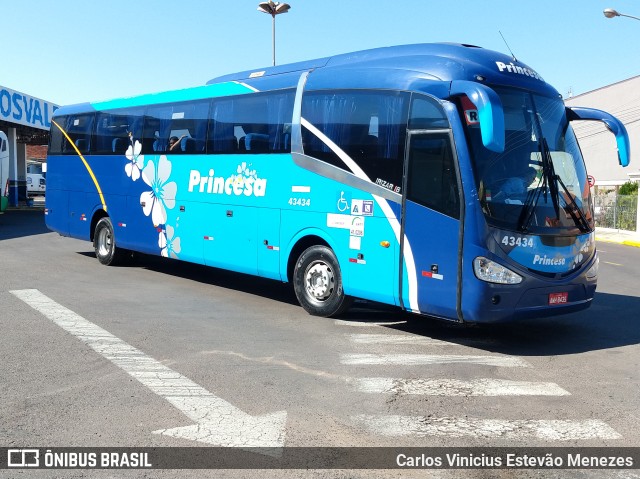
(72, 51)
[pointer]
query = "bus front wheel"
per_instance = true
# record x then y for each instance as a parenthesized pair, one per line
(317, 282)
(104, 244)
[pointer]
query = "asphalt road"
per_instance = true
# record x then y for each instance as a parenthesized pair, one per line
(101, 356)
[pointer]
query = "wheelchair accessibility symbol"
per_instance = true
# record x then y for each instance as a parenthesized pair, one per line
(343, 205)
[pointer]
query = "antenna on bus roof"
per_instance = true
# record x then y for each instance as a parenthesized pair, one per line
(508, 48)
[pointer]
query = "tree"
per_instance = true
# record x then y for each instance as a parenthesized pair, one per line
(629, 188)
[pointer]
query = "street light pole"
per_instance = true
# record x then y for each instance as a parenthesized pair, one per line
(273, 9)
(611, 13)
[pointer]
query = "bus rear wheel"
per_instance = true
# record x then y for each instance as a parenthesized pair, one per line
(104, 244)
(317, 282)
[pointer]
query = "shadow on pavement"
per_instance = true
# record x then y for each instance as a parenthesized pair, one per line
(245, 283)
(20, 223)
(612, 321)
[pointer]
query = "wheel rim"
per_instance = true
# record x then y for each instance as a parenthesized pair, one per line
(319, 281)
(105, 242)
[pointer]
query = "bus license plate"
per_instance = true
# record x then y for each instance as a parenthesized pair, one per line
(558, 298)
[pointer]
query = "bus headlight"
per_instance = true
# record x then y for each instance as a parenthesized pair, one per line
(593, 271)
(491, 272)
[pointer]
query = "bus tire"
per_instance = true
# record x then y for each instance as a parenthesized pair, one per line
(104, 244)
(317, 282)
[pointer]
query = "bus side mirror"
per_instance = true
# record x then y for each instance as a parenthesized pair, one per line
(614, 125)
(490, 112)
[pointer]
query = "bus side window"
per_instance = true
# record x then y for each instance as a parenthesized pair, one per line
(56, 138)
(369, 126)
(426, 114)
(431, 177)
(157, 122)
(79, 129)
(115, 131)
(186, 121)
(189, 125)
(253, 123)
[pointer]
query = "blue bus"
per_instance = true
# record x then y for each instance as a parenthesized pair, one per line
(444, 179)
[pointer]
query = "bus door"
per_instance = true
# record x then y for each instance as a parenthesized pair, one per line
(430, 225)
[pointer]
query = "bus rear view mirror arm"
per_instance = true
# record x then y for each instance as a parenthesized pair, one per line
(490, 112)
(614, 125)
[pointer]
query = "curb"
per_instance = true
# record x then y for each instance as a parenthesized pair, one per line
(635, 244)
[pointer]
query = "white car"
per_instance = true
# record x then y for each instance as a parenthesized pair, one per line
(36, 183)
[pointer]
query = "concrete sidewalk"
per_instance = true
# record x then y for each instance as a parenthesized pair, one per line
(628, 238)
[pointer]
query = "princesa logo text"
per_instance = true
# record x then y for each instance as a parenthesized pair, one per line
(245, 182)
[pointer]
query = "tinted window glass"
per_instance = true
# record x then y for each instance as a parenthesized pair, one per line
(56, 138)
(369, 126)
(252, 123)
(115, 130)
(427, 114)
(431, 178)
(79, 129)
(176, 128)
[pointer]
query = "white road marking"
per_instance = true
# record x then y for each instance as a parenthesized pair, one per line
(427, 359)
(551, 430)
(366, 324)
(409, 339)
(217, 421)
(455, 387)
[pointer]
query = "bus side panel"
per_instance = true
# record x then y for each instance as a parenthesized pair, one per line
(57, 198)
(230, 239)
(57, 205)
(372, 266)
(434, 249)
(81, 206)
(369, 268)
(268, 243)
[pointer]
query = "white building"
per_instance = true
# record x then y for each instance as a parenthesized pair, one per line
(598, 146)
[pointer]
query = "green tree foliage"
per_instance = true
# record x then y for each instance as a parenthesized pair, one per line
(629, 188)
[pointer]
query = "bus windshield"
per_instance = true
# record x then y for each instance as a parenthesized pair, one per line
(538, 184)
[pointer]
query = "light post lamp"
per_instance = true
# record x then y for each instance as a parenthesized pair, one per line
(273, 9)
(610, 13)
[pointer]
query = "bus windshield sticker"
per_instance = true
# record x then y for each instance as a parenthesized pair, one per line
(470, 112)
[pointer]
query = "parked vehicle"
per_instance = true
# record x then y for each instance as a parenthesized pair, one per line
(443, 179)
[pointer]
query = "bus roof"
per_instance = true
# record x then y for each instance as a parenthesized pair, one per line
(430, 61)
(418, 66)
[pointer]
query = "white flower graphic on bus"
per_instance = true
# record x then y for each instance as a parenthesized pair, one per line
(133, 168)
(163, 193)
(168, 242)
(244, 171)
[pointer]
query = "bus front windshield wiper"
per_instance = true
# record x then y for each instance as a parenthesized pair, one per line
(549, 171)
(573, 209)
(548, 184)
(530, 203)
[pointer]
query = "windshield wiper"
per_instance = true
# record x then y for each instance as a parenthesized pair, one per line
(550, 173)
(551, 180)
(530, 203)
(533, 196)
(572, 208)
